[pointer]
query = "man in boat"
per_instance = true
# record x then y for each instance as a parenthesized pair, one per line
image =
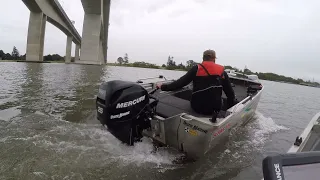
(209, 79)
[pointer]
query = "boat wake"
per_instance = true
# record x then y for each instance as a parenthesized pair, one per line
(42, 137)
(81, 145)
(246, 141)
(94, 139)
(262, 128)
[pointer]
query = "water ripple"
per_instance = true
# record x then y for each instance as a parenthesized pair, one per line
(48, 128)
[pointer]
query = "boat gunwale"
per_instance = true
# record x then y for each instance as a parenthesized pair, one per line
(305, 135)
(206, 121)
(231, 109)
(237, 110)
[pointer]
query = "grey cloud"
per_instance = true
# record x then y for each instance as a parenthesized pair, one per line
(123, 10)
(200, 1)
(265, 35)
(159, 4)
(118, 19)
(179, 12)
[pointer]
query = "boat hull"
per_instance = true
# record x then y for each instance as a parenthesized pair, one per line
(197, 136)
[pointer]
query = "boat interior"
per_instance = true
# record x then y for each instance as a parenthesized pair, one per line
(177, 102)
(313, 143)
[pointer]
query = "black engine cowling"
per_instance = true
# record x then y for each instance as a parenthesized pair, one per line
(124, 108)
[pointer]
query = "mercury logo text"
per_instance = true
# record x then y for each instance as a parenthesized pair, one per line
(130, 103)
(278, 171)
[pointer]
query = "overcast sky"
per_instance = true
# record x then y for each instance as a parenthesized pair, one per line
(281, 36)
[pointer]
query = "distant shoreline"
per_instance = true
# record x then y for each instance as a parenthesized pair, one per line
(62, 61)
(262, 76)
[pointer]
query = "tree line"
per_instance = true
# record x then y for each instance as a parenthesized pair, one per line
(172, 65)
(124, 61)
(274, 77)
(15, 55)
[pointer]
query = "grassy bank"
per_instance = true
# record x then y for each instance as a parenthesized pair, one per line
(145, 65)
(263, 76)
(8, 61)
(62, 61)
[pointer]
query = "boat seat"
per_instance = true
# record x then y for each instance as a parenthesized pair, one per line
(169, 106)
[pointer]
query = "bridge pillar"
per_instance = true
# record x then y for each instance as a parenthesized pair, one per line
(68, 49)
(91, 39)
(76, 53)
(101, 54)
(36, 34)
(106, 20)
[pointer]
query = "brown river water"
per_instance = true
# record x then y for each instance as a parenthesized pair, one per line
(48, 128)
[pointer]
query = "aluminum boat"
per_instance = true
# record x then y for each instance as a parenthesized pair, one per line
(167, 117)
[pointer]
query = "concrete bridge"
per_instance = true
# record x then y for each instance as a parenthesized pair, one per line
(94, 39)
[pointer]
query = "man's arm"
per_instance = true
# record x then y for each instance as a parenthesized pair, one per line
(181, 82)
(228, 90)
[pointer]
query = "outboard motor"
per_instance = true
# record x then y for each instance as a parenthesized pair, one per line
(124, 107)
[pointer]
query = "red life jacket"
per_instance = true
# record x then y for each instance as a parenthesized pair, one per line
(211, 67)
(207, 88)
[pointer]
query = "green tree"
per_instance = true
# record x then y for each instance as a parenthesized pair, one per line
(170, 63)
(53, 57)
(300, 80)
(126, 59)
(190, 64)
(8, 56)
(144, 65)
(23, 57)
(48, 57)
(181, 66)
(247, 71)
(163, 65)
(120, 60)
(15, 53)
(1, 54)
(57, 57)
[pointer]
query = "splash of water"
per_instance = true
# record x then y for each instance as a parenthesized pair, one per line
(83, 143)
(248, 139)
(262, 128)
(139, 154)
(90, 138)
